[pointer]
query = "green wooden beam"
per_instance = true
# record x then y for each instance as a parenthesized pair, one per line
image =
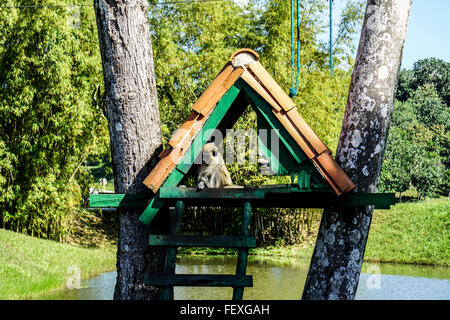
(212, 193)
(282, 197)
(200, 241)
(166, 293)
(114, 200)
(379, 200)
(241, 266)
(291, 156)
(194, 280)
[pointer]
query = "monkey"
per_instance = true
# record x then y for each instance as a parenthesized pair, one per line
(212, 173)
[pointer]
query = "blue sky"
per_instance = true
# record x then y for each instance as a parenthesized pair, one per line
(428, 32)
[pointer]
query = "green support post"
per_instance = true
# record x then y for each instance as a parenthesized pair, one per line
(241, 268)
(166, 293)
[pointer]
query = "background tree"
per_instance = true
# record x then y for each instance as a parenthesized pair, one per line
(433, 71)
(418, 147)
(429, 107)
(48, 126)
(426, 71)
(398, 160)
(405, 85)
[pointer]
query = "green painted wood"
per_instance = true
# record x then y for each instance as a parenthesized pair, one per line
(276, 197)
(241, 267)
(152, 209)
(277, 167)
(217, 193)
(379, 200)
(166, 293)
(317, 181)
(265, 110)
(156, 204)
(175, 222)
(114, 200)
(187, 160)
(195, 280)
(283, 135)
(262, 197)
(291, 156)
(202, 241)
(304, 180)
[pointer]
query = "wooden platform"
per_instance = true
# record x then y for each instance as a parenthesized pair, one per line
(279, 196)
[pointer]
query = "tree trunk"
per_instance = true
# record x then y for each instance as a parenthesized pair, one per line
(134, 127)
(339, 251)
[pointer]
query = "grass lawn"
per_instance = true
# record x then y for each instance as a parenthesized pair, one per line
(411, 232)
(30, 266)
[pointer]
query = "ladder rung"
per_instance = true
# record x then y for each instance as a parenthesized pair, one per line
(204, 280)
(200, 241)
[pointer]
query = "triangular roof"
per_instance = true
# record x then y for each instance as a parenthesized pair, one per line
(244, 66)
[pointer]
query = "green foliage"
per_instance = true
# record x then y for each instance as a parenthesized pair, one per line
(418, 148)
(190, 44)
(399, 154)
(426, 71)
(429, 107)
(427, 174)
(349, 25)
(405, 86)
(434, 71)
(48, 127)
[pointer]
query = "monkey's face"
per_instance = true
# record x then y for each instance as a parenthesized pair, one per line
(210, 154)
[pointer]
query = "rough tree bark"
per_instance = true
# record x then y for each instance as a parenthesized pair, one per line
(339, 251)
(134, 126)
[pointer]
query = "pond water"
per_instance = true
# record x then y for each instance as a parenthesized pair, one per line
(283, 279)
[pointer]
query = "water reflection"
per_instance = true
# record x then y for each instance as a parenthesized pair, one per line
(283, 279)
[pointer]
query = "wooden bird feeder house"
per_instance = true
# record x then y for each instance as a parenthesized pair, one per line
(321, 182)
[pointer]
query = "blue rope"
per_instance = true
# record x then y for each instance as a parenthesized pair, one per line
(331, 38)
(292, 48)
(293, 90)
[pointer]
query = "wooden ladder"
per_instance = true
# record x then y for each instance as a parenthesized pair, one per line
(168, 279)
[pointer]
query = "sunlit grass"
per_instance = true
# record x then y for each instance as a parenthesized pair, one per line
(31, 266)
(412, 232)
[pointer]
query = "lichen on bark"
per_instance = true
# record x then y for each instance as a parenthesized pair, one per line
(360, 149)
